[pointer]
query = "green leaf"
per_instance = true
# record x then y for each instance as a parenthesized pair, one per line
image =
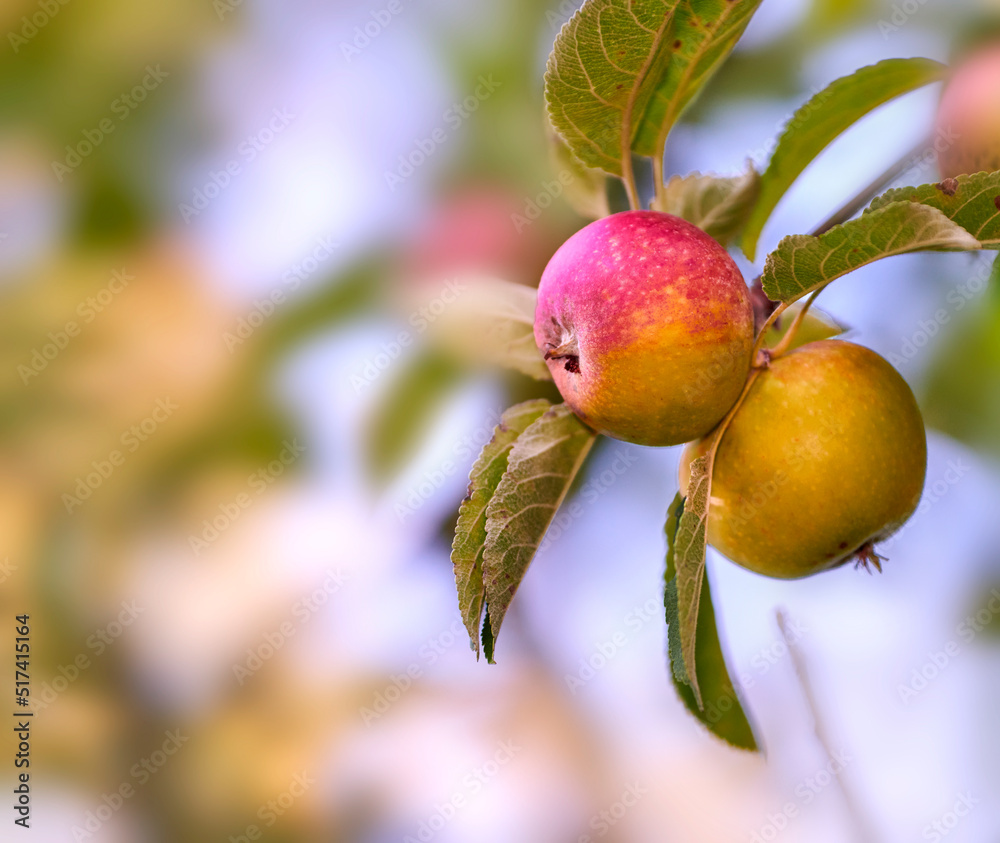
(470, 531)
(601, 74)
(821, 120)
(689, 560)
(540, 470)
(718, 205)
(621, 72)
(405, 411)
(985, 605)
(827, 18)
(587, 188)
(972, 202)
(489, 642)
(961, 391)
(356, 290)
(802, 263)
(702, 35)
(492, 323)
(723, 711)
(677, 669)
(816, 326)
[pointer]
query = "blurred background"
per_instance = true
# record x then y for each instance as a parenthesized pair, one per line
(232, 447)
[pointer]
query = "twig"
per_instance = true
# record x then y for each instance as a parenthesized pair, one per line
(789, 337)
(844, 213)
(863, 829)
(872, 189)
(658, 182)
(758, 346)
(628, 177)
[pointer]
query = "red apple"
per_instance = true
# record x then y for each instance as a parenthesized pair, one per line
(647, 327)
(969, 116)
(473, 233)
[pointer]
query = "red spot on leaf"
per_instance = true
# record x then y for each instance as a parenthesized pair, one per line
(949, 187)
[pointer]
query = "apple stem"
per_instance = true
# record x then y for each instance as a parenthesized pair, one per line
(658, 181)
(762, 334)
(760, 360)
(789, 337)
(628, 177)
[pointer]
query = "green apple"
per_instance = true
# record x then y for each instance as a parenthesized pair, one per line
(825, 457)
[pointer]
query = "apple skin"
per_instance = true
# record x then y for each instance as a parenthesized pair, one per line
(647, 326)
(826, 454)
(970, 112)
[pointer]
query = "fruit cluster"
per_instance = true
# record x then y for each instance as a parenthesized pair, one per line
(648, 330)
(803, 451)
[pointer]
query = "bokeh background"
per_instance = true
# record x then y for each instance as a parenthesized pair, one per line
(245, 626)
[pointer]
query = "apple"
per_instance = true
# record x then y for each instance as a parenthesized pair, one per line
(969, 116)
(472, 233)
(825, 457)
(647, 327)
